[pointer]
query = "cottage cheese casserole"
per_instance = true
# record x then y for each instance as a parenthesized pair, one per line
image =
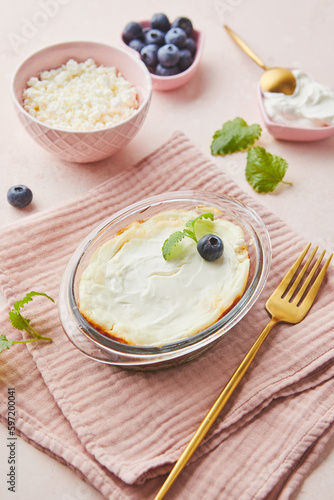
(131, 294)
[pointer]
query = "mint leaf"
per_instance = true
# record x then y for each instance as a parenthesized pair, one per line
(191, 223)
(264, 171)
(18, 321)
(234, 136)
(28, 298)
(5, 343)
(170, 243)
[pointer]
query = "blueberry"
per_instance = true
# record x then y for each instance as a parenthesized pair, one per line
(155, 36)
(160, 22)
(176, 36)
(184, 23)
(131, 31)
(191, 45)
(136, 44)
(186, 59)
(162, 71)
(149, 54)
(19, 196)
(168, 55)
(210, 247)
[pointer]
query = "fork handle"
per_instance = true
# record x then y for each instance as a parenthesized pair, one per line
(215, 410)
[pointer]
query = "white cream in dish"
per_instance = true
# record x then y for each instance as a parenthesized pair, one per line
(129, 291)
(311, 104)
(80, 96)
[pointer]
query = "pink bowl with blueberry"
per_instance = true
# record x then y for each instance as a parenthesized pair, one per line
(171, 57)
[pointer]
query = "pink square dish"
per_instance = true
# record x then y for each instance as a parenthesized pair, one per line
(289, 132)
(163, 83)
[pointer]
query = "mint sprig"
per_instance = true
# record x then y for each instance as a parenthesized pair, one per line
(21, 323)
(191, 223)
(176, 237)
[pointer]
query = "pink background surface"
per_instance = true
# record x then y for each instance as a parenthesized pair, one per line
(295, 34)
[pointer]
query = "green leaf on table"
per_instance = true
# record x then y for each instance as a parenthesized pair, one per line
(234, 136)
(5, 343)
(265, 171)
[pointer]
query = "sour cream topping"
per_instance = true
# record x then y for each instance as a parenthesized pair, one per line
(311, 104)
(131, 292)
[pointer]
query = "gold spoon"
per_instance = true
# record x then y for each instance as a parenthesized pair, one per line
(273, 79)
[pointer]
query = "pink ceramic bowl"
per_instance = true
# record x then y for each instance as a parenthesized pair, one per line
(93, 145)
(175, 81)
(289, 132)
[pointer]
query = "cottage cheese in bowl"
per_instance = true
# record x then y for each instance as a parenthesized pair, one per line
(85, 130)
(130, 293)
(80, 96)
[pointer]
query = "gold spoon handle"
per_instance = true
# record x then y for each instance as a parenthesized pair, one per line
(243, 45)
(214, 411)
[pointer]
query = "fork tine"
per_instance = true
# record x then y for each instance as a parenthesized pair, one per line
(308, 300)
(289, 275)
(300, 275)
(309, 277)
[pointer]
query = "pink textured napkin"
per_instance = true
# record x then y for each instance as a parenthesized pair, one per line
(123, 430)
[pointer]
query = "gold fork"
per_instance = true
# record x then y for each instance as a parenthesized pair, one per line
(282, 305)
